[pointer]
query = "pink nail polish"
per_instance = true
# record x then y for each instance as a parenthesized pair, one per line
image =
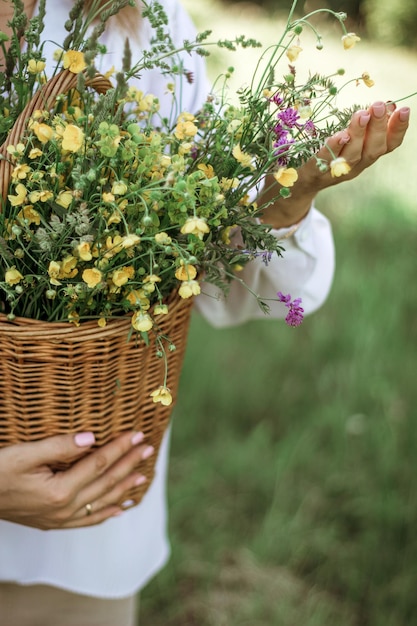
(137, 438)
(343, 140)
(148, 452)
(364, 119)
(141, 480)
(379, 109)
(404, 114)
(83, 440)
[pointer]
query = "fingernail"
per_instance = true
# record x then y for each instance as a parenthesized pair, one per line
(343, 139)
(379, 109)
(141, 480)
(137, 438)
(83, 440)
(127, 503)
(117, 513)
(404, 114)
(364, 119)
(148, 452)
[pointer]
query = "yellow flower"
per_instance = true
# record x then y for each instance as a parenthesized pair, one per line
(367, 79)
(102, 322)
(160, 309)
(162, 395)
(207, 169)
(185, 127)
(130, 240)
(20, 197)
(286, 176)
(13, 276)
(29, 214)
(35, 153)
(74, 318)
(54, 271)
(84, 251)
(184, 148)
(243, 158)
(119, 188)
(68, 267)
(64, 199)
(339, 167)
(189, 288)
(186, 272)
(114, 218)
(92, 277)
(35, 67)
(20, 172)
(108, 197)
(293, 52)
(42, 131)
(195, 226)
(350, 40)
(74, 61)
(229, 183)
(142, 321)
(40, 196)
(114, 246)
(152, 278)
(72, 138)
(137, 298)
(121, 276)
(162, 238)
(16, 151)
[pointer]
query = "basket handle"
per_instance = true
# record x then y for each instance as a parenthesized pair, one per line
(43, 99)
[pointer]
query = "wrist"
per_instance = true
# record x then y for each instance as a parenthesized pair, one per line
(286, 212)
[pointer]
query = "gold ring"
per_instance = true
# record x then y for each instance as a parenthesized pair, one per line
(88, 509)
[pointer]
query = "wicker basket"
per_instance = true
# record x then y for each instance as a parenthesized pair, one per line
(56, 378)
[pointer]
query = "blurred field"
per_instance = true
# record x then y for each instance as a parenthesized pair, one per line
(292, 485)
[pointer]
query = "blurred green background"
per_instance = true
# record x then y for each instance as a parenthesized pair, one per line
(293, 460)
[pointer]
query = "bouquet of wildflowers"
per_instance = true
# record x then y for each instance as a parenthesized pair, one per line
(110, 207)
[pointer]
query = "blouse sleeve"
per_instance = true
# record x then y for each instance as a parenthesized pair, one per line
(305, 271)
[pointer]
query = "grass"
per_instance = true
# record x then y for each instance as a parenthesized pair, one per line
(293, 464)
(293, 456)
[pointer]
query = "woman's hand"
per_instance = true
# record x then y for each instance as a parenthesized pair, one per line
(33, 495)
(370, 134)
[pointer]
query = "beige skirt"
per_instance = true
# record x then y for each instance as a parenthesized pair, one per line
(43, 605)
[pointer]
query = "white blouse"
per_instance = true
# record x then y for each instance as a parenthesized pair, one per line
(118, 557)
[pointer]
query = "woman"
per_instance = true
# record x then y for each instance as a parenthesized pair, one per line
(88, 567)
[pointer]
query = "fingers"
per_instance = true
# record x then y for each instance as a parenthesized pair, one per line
(112, 486)
(52, 450)
(397, 128)
(96, 464)
(99, 480)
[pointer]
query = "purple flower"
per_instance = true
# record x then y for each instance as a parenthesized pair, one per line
(265, 254)
(295, 314)
(309, 127)
(276, 99)
(289, 117)
(281, 146)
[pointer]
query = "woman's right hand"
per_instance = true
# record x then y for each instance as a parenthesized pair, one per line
(84, 495)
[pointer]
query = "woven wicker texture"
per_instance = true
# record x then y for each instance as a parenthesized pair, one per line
(56, 378)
